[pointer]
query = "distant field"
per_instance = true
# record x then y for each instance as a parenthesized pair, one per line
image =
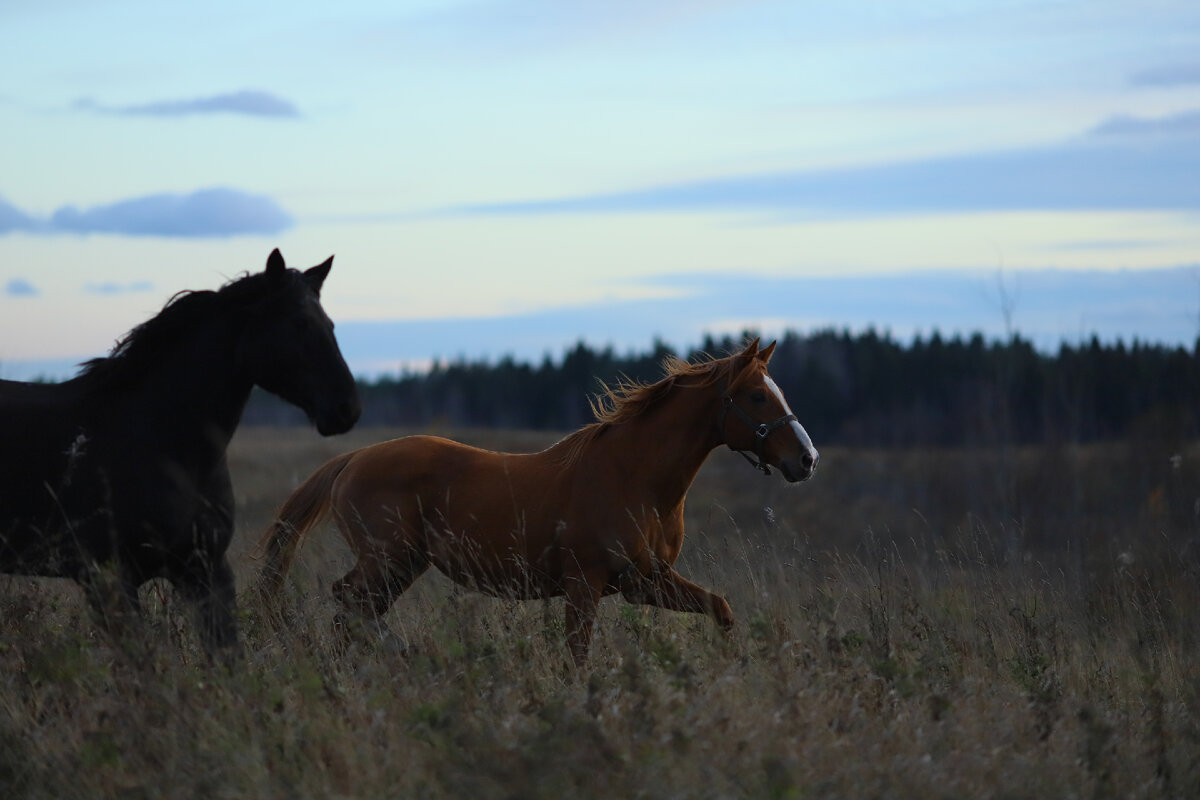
(990, 623)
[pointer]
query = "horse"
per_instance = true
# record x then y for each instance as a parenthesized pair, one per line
(118, 475)
(599, 512)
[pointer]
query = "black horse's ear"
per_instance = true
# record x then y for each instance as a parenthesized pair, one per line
(316, 276)
(275, 266)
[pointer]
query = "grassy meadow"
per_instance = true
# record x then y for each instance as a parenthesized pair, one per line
(991, 622)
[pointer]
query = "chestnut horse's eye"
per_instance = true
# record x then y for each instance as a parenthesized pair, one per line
(758, 397)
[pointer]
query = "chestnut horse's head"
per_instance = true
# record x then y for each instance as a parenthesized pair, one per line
(755, 418)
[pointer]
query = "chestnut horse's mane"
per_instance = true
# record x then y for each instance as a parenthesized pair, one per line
(629, 399)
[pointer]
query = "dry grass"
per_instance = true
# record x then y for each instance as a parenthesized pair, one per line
(990, 624)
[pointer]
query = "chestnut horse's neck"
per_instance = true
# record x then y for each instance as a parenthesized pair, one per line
(661, 450)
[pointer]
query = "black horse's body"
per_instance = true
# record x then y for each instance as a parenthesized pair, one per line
(124, 465)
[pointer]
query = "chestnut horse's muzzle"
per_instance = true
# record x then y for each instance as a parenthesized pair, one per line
(795, 473)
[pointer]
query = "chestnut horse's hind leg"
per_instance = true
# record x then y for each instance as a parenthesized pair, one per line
(368, 590)
(666, 588)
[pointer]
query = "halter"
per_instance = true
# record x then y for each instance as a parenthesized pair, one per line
(761, 431)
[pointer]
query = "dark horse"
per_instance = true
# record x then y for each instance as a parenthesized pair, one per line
(120, 471)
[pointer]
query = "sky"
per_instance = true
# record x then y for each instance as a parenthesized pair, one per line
(504, 177)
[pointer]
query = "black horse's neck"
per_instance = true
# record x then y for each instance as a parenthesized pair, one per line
(190, 393)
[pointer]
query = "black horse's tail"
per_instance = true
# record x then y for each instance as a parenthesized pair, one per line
(307, 506)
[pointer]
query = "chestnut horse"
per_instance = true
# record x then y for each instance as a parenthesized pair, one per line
(598, 513)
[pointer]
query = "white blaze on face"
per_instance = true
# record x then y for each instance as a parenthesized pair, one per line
(796, 427)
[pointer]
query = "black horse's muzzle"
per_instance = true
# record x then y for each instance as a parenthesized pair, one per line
(340, 418)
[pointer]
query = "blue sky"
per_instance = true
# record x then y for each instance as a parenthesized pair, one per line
(508, 177)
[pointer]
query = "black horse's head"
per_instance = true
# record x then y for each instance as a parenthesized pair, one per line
(288, 348)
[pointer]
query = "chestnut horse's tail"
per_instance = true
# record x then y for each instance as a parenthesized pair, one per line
(307, 506)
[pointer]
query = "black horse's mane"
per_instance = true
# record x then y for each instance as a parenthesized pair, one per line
(142, 346)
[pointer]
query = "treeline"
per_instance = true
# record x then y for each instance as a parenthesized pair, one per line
(860, 389)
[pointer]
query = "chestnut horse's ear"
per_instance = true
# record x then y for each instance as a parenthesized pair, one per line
(275, 266)
(764, 355)
(751, 349)
(315, 277)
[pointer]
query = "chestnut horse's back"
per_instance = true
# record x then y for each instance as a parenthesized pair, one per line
(477, 515)
(416, 501)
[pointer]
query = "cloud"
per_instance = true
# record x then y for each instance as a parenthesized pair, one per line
(13, 219)
(1168, 76)
(1104, 244)
(204, 213)
(1109, 169)
(19, 287)
(1186, 123)
(246, 102)
(110, 287)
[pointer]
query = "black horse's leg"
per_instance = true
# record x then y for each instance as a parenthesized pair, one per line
(208, 585)
(112, 593)
(206, 580)
(131, 603)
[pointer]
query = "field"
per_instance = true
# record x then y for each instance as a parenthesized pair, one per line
(992, 622)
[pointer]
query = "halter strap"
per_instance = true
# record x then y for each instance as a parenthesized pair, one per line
(761, 431)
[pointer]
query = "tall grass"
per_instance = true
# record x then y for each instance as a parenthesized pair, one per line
(945, 624)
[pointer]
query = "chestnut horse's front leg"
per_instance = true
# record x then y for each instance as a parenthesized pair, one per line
(666, 588)
(583, 594)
